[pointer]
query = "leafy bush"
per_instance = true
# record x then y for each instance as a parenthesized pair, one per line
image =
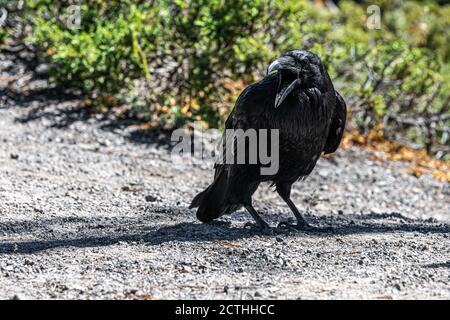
(103, 55)
(3, 36)
(5, 16)
(174, 61)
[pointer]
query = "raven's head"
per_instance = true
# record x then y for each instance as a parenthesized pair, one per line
(296, 69)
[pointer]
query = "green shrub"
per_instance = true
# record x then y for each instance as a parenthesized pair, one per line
(101, 56)
(3, 36)
(4, 29)
(173, 61)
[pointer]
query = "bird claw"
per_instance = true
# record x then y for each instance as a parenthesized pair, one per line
(263, 228)
(303, 227)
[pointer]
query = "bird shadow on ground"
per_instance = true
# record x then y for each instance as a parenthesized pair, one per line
(95, 235)
(438, 265)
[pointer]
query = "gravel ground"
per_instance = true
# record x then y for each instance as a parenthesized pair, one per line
(91, 208)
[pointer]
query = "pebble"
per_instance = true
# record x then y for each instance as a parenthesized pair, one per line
(150, 198)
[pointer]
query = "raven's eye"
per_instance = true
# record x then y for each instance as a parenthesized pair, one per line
(274, 67)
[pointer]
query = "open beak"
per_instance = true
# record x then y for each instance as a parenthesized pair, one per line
(284, 91)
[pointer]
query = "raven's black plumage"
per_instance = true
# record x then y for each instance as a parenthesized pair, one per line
(298, 98)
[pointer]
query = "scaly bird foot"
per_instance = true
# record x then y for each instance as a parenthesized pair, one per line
(304, 227)
(263, 228)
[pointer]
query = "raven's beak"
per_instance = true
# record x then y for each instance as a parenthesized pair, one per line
(284, 91)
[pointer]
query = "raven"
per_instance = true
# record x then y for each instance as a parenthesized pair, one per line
(296, 97)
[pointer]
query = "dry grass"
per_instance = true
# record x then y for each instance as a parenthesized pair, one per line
(420, 162)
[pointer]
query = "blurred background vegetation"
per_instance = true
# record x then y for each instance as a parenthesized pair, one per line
(171, 62)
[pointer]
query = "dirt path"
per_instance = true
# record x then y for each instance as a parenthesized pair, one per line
(90, 209)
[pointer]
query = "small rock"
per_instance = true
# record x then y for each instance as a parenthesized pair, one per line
(6, 64)
(28, 262)
(42, 69)
(14, 156)
(150, 198)
(38, 210)
(186, 269)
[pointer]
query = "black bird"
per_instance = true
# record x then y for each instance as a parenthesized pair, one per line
(298, 98)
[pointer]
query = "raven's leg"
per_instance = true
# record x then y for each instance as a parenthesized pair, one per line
(284, 190)
(259, 221)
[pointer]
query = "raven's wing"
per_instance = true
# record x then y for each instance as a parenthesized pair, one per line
(236, 120)
(213, 202)
(337, 125)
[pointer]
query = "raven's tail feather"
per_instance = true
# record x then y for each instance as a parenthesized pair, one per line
(199, 199)
(211, 203)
